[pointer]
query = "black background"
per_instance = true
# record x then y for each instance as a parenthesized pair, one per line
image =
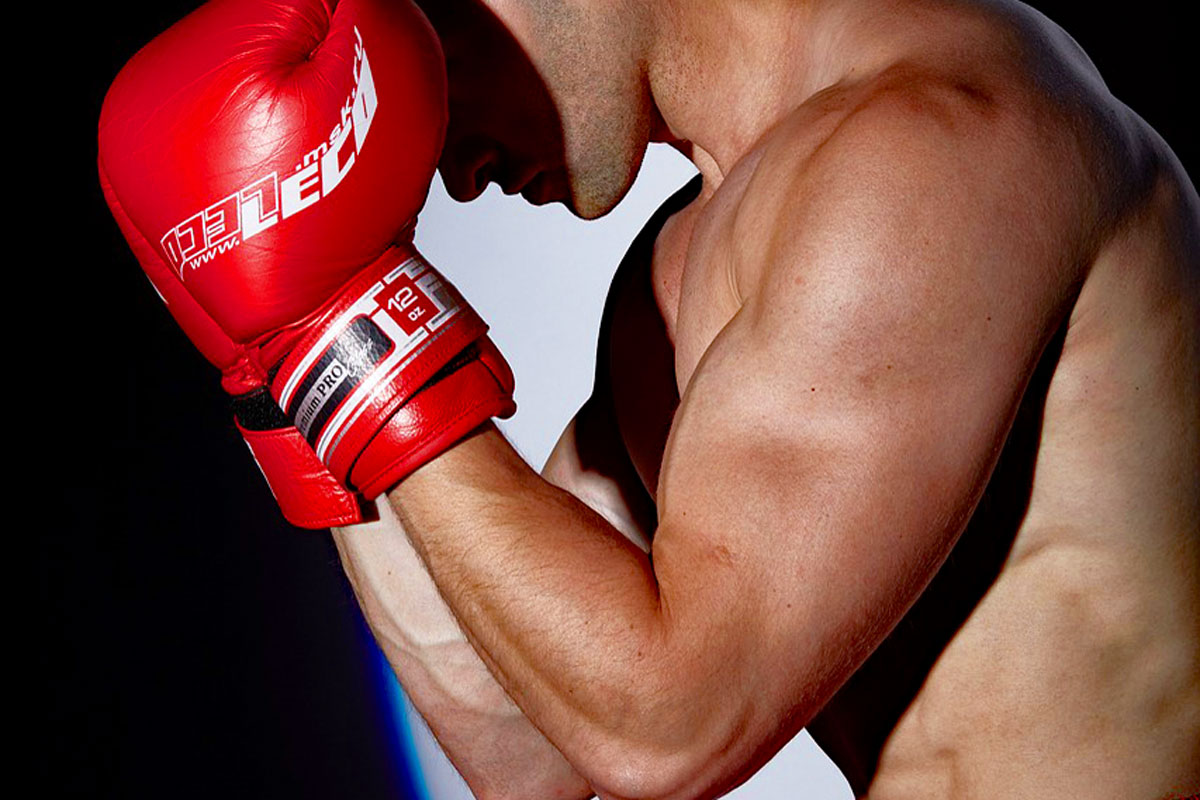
(191, 643)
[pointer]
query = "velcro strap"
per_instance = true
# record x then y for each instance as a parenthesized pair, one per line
(308, 494)
(476, 386)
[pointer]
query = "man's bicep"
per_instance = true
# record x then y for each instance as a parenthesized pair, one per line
(835, 437)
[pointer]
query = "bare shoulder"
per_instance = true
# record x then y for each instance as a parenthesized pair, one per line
(998, 113)
(921, 183)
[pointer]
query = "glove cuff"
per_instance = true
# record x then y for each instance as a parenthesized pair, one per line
(475, 387)
(368, 353)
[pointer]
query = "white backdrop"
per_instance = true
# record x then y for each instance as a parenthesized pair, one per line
(539, 276)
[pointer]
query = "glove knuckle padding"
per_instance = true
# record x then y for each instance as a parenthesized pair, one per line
(266, 162)
(236, 127)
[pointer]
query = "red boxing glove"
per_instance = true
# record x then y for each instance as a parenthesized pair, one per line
(266, 162)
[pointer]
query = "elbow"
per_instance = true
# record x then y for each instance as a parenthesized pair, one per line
(684, 723)
(635, 774)
(565, 788)
(701, 753)
(639, 778)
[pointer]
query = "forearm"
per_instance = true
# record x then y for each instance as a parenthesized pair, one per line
(487, 737)
(565, 608)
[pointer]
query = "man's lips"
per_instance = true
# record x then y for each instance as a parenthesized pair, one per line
(542, 189)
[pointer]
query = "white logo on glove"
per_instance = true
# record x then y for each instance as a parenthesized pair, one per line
(245, 213)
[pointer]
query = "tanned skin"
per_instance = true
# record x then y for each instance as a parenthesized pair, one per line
(896, 428)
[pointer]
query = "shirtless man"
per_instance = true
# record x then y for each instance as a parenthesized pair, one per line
(896, 426)
(935, 278)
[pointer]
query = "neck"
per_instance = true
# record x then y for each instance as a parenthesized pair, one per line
(723, 73)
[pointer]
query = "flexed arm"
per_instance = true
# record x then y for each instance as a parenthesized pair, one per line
(830, 445)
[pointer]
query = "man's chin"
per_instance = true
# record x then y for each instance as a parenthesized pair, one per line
(554, 187)
(588, 213)
(587, 204)
(595, 192)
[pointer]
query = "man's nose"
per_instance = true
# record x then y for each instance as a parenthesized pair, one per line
(466, 170)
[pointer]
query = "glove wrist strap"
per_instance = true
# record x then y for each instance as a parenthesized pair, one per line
(391, 330)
